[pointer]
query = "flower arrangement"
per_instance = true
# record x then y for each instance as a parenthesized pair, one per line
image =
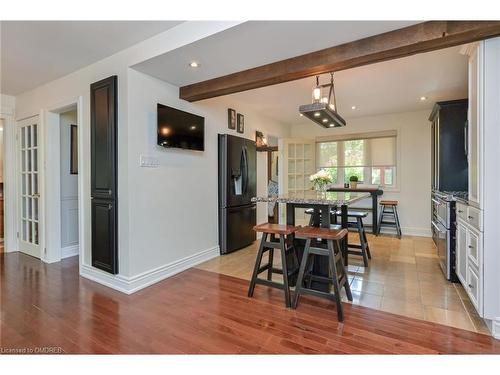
(320, 180)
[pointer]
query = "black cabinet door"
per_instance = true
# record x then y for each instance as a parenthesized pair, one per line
(103, 104)
(103, 125)
(104, 254)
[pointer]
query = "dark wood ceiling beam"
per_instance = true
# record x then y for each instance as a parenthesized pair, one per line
(422, 37)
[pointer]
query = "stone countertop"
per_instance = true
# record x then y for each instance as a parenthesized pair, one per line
(330, 198)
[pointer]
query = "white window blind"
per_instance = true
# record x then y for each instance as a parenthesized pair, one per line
(369, 156)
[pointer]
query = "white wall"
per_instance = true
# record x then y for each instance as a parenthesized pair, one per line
(173, 208)
(414, 169)
(69, 188)
(74, 85)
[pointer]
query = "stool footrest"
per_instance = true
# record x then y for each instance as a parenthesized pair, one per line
(318, 293)
(271, 245)
(273, 284)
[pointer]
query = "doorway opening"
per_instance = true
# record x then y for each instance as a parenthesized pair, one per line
(62, 182)
(68, 123)
(272, 183)
(1, 186)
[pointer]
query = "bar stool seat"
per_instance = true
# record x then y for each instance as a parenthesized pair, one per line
(323, 233)
(388, 203)
(284, 243)
(275, 228)
(354, 214)
(337, 273)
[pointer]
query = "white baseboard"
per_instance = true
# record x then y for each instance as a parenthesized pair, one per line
(70, 251)
(495, 328)
(129, 285)
(409, 231)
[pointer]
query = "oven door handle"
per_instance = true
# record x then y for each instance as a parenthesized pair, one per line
(437, 227)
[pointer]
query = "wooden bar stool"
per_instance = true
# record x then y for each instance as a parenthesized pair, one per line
(338, 275)
(285, 244)
(389, 209)
(364, 248)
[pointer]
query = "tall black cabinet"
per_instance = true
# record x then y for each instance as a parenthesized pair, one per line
(103, 125)
(449, 146)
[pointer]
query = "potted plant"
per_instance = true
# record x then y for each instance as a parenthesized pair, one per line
(353, 182)
(320, 180)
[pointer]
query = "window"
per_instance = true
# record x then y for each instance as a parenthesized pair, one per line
(371, 157)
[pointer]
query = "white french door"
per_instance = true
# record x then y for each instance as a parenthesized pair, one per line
(29, 186)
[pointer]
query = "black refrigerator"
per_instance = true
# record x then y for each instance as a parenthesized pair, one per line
(237, 186)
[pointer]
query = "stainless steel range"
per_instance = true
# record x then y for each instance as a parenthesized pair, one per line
(443, 231)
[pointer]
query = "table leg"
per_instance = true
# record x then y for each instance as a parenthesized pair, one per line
(325, 216)
(321, 264)
(343, 220)
(290, 214)
(374, 213)
(316, 217)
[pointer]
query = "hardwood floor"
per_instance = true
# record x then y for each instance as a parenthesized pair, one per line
(403, 277)
(198, 311)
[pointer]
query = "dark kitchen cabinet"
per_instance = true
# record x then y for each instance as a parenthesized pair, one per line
(449, 146)
(103, 125)
(104, 254)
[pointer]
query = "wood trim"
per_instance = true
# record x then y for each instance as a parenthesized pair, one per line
(267, 148)
(422, 37)
(355, 136)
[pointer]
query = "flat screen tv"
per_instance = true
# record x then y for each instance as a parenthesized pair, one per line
(179, 129)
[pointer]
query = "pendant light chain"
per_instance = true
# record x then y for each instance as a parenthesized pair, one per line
(332, 91)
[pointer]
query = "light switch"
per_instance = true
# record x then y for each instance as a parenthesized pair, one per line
(146, 161)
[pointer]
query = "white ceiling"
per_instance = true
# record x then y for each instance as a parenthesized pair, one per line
(387, 87)
(36, 52)
(256, 43)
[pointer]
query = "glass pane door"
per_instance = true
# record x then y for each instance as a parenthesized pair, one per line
(29, 226)
(298, 165)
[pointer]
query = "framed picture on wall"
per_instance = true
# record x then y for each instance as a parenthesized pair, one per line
(73, 153)
(231, 118)
(241, 123)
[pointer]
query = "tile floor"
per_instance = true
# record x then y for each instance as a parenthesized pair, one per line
(403, 278)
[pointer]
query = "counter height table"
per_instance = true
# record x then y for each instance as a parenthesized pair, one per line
(374, 192)
(322, 203)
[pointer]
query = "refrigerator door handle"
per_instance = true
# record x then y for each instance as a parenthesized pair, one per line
(245, 170)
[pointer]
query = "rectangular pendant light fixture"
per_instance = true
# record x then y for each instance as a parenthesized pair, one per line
(322, 114)
(323, 109)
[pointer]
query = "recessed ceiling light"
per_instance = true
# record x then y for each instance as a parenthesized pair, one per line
(317, 114)
(331, 125)
(423, 98)
(301, 114)
(325, 120)
(353, 107)
(194, 64)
